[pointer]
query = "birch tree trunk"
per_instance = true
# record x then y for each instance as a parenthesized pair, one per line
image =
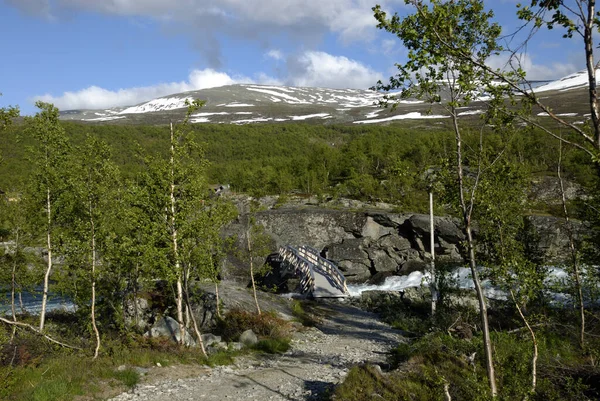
(49, 266)
(93, 311)
(179, 300)
(466, 215)
(433, 284)
(13, 285)
(534, 356)
(252, 267)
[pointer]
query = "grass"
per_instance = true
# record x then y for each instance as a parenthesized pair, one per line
(41, 371)
(273, 345)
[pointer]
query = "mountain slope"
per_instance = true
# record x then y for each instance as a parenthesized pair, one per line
(244, 104)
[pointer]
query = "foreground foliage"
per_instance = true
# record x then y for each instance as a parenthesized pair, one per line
(442, 356)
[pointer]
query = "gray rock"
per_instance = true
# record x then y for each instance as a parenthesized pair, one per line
(209, 339)
(381, 261)
(395, 242)
(412, 266)
(355, 271)
(374, 230)
(168, 327)
(349, 249)
(248, 338)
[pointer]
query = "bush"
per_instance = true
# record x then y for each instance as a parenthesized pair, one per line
(266, 325)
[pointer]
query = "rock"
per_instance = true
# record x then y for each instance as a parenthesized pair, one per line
(216, 347)
(416, 294)
(447, 229)
(395, 242)
(379, 278)
(372, 298)
(236, 346)
(412, 266)
(248, 338)
(374, 230)
(168, 327)
(208, 339)
(381, 261)
(355, 271)
(349, 249)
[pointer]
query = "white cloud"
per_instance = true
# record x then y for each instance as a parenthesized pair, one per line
(321, 69)
(274, 54)
(95, 97)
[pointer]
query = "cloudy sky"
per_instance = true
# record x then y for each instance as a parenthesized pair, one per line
(103, 53)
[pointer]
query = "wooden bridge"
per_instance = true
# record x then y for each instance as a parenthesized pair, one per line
(319, 277)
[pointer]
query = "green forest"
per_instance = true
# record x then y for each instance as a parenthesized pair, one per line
(375, 163)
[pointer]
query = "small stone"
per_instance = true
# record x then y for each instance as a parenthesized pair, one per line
(158, 364)
(248, 338)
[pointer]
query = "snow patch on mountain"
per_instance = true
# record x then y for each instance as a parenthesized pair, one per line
(109, 118)
(573, 81)
(288, 98)
(299, 118)
(235, 104)
(470, 112)
(255, 120)
(199, 120)
(218, 113)
(160, 104)
(409, 116)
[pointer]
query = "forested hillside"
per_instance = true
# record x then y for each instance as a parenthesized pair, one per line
(375, 163)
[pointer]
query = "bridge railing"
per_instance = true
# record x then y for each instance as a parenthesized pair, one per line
(307, 277)
(327, 266)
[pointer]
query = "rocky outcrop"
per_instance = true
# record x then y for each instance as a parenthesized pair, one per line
(366, 243)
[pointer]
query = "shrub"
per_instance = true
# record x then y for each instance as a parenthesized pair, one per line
(265, 325)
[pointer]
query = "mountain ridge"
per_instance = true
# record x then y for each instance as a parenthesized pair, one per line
(252, 103)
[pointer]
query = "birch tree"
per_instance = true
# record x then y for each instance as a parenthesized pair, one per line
(177, 189)
(91, 178)
(48, 157)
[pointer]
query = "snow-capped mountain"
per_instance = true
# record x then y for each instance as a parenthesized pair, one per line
(245, 104)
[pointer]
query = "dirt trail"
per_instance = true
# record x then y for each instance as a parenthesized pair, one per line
(318, 359)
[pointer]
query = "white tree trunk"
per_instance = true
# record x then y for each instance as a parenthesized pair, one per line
(252, 268)
(534, 356)
(178, 272)
(217, 300)
(13, 285)
(93, 311)
(433, 284)
(49, 266)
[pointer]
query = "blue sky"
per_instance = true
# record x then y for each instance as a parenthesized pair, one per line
(104, 53)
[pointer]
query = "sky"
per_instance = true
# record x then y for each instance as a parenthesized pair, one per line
(93, 54)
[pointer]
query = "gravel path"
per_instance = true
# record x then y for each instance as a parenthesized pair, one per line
(318, 359)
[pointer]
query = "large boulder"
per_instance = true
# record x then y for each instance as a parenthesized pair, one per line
(168, 327)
